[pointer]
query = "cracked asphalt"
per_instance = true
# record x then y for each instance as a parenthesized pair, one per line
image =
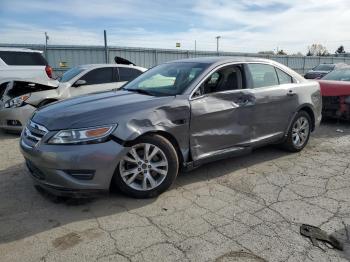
(241, 209)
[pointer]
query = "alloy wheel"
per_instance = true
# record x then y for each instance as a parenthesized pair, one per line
(144, 167)
(300, 131)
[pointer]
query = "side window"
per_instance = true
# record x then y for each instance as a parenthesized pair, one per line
(262, 75)
(225, 79)
(128, 74)
(23, 58)
(283, 77)
(99, 76)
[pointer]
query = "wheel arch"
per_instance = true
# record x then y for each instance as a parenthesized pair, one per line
(310, 111)
(167, 136)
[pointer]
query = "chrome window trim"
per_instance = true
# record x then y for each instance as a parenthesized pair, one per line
(233, 91)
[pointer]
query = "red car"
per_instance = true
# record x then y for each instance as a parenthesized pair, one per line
(335, 89)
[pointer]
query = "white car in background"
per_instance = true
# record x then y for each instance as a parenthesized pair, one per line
(19, 98)
(18, 63)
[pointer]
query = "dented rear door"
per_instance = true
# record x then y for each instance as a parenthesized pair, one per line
(220, 121)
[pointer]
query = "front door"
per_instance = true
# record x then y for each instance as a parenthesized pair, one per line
(97, 80)
(220, 113)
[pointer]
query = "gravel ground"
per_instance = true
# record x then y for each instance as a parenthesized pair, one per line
(242, 209)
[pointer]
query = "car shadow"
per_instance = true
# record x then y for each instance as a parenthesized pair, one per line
(25, 212)
(9, 135)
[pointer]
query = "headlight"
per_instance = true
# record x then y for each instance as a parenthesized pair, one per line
(77, 136)
(17, 101)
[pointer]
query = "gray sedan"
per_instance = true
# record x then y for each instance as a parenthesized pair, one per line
(177, 115)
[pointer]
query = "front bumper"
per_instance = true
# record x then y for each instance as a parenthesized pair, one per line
(21, 114)
(73, 169)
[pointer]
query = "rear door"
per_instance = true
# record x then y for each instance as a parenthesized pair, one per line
(126, 74)
(97, 80)
(220, 113)
(275, 101)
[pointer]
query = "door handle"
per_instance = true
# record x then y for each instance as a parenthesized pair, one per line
(242, 101)
(291, 93)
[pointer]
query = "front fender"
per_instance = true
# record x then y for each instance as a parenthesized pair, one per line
(172, 119)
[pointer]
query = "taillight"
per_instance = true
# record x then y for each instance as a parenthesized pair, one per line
(48, 70)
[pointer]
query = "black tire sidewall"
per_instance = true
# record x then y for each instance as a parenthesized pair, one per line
(289, 145)
(173, 167)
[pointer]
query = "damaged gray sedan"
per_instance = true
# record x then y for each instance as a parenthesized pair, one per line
(177, 115)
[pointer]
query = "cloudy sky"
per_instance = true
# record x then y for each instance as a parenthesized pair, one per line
(244, 25)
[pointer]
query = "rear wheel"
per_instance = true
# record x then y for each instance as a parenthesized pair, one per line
(299, 132)
(148, 169)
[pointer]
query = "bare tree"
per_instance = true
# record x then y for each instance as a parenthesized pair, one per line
(317, 50)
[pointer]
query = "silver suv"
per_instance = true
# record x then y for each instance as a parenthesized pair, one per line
(177, 115)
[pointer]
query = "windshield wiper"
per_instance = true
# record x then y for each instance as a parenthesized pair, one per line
(140, 91)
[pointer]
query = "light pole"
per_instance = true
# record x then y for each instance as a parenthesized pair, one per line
(46, 39)
(195, 48)
(106, 48)
(217, 44)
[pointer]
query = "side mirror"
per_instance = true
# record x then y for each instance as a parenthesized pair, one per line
(80, 82)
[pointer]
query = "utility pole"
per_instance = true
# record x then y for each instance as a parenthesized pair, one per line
(195, 48)
(46, 39)
(217, 44)
(106, 48)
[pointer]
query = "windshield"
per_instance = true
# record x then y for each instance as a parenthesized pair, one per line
(167, 79)
(339, 75)
(71, 73)
(324, 68)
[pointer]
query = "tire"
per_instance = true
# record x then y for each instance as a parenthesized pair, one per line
(162, 168)
(291, 144)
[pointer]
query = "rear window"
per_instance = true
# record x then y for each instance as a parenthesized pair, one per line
(128, 74)
(324, 68)
(263, 75)
(23, 58)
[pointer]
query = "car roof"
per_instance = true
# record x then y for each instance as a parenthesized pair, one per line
(223, 59)
(13, 49)
(93, 66)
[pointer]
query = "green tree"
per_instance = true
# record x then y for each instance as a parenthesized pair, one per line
(281, 52)
(340, 50)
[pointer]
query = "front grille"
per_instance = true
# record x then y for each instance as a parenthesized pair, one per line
(33, 133)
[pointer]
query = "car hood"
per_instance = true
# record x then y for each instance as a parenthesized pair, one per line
(334, 88)
(96, 109)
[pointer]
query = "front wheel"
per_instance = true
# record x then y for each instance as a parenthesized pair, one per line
(148, 169)
(299, 132)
